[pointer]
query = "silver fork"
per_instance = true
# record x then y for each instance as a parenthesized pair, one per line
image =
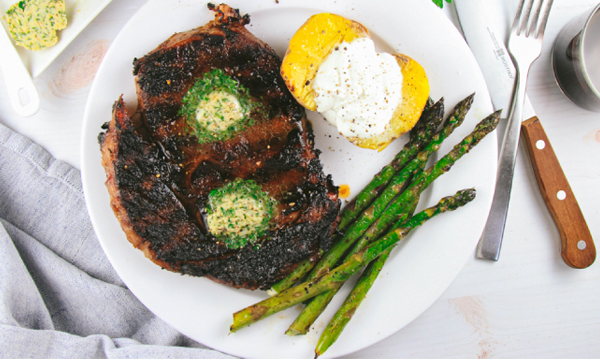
(525, 46)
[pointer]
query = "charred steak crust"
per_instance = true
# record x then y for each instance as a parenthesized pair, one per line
(159, 176)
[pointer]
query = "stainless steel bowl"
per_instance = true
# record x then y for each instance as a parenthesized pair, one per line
(577, 76)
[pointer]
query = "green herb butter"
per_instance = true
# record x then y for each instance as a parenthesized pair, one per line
(217, 107)
(33, 23)
(239, 213)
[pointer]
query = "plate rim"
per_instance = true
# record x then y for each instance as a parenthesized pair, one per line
(85, 174)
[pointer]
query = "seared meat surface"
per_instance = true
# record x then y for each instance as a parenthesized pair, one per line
(159, 176)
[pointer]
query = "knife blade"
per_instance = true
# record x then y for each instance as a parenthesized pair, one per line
(486, 40)
(481, 31)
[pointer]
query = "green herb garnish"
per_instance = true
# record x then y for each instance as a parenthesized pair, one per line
(217, 107)
(239, 212)
(440, 3)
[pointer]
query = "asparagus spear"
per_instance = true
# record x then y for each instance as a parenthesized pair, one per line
(395, 211)
(292, 278)
(330, 280)
(423, 119)
(341, 318)
(420, 135)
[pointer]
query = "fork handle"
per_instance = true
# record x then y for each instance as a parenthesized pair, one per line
(578, 250)
(493, 232)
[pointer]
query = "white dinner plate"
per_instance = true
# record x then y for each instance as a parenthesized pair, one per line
(419, 270)
(79, 14)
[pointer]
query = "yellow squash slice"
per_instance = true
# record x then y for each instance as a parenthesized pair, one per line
(309, 47)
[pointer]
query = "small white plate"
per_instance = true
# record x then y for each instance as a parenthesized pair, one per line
(79, 14)
(419, 270)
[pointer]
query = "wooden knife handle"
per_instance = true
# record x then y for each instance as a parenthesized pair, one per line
(578, 248)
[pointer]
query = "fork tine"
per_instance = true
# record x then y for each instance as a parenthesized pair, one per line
(517, 20)
(525, 18)
(534, 20)
(542, 27)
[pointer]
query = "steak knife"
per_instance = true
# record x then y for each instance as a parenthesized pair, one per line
(577, 246)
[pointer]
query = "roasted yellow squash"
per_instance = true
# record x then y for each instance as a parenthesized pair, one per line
(314, 41)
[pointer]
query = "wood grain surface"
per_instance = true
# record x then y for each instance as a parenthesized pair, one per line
(578, 248)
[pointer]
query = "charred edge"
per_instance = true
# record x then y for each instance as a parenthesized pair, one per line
(233, 16)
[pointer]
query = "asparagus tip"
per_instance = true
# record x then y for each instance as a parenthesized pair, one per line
(468, 194)
(492, 120)
(461, 198)
(469, 99)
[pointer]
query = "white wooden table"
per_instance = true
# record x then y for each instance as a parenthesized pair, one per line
(527, 305)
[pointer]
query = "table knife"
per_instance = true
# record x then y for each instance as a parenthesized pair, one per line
(577, 246)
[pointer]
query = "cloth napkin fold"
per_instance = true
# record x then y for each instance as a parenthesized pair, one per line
(59, 295)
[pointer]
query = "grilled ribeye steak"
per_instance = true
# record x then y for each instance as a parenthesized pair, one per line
(160, 176)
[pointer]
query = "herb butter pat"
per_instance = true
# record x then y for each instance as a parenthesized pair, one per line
(358, 89)
(239, 213)
(217, 107)
(33, 23)
(218, 111)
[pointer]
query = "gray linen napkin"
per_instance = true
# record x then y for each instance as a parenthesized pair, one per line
(59, 295)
